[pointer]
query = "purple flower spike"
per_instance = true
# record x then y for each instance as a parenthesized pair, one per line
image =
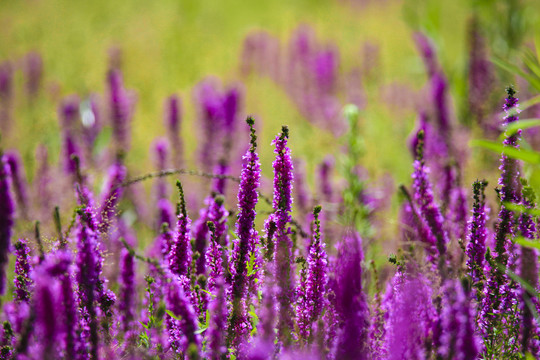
(173, 124)
(121, 105)
(282, 203)
(18, 177)
(312, 291)
(45, 304)
(231, 104)
(69, 308)
(325, 177)
(477, 236)
(410, 316)
(427, 50)
(247, 200)
(165, 213)
(88, 271)
(178, 303)
(214, 259)
(325, 69)
(111, 195)
(22, 280)
(127, 303)
(68, 112)
(429, 210)
(210, 109)
(439, 93)
(7, 212)
(508, 182)
(350, 301)
(528, 271)
(218, 322)
(458, 338)
(180, 255)
(6, 82)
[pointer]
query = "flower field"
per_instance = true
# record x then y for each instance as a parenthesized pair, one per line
(337, 179)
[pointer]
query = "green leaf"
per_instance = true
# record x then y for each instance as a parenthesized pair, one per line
(207, 317)
(529, 156)
(171, 314)
(520, 280)
(528, 243)
(521, 124)
(200, 331)
(521, 209)
(252, 313)
(208, 292)
(144, 325)
(251, 269)
(514, 69)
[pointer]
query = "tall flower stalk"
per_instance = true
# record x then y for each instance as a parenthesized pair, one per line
(282, 203)
(248, 196)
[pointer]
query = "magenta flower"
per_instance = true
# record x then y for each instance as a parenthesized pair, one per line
(7, 212)
(180, 253)
(247, 200)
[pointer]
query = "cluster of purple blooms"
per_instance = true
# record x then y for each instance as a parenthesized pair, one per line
(242, 283)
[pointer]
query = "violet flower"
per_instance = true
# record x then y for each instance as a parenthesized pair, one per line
(312, 299)
(180, 254)
(508, 182)
(247, 200)
(217, 349)
(350, 301)
(120, 105)
(6, 82)
(18, 177)
(458, 338)
(68, 113)
(477, 236)
(127, 304)
(22, 281)
(45, 304)
(528, 271)
(173, 124)
(282, 203)
(111, 195)
(410, 316)
(165, 213)
(427, 50)
(7, 211)
(69, 308)
(88, 271)
(498, 292)
(429, 210)
(325, 170)
(210, 109)
(214, 259)
(178, 303)
(200, 236)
